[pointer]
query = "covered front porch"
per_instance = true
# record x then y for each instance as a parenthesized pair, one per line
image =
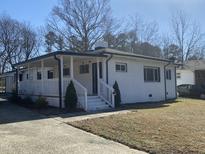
(50, 76)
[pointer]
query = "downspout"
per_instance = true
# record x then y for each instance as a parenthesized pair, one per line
(175, 81)
(17, 78)
(59, 80)
(107, 77)
(165, 82)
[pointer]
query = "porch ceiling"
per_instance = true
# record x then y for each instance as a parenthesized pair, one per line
(50, 61)
(58, 53)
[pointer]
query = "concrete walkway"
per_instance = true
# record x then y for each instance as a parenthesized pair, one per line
(72, 117)
(26, 132)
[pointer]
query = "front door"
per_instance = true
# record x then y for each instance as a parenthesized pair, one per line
(94, 78)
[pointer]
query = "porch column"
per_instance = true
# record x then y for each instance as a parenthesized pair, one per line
(104, 69)
(62, 80)
(98, 76)
(71, 67)
(42, 77)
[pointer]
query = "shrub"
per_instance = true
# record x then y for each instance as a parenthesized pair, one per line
(41, 102)
(71, 98)
(28, 99)
(28, 102)
(14, 97)
(117, 94)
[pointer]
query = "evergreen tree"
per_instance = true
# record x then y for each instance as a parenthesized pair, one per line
(117, 94)
(71, 98)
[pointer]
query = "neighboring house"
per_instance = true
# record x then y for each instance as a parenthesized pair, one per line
(140, 78)
(192, 72)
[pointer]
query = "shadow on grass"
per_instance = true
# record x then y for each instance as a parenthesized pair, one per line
(10, 112)
(148, 105)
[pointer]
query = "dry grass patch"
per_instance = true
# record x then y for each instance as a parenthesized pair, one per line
(173, 128)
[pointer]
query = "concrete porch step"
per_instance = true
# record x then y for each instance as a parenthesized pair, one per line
(96, 103)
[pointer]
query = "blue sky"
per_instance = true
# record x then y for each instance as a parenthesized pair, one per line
(36, 11)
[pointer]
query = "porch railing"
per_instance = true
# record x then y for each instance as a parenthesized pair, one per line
(106, 92)
(81, 93)
(37, 87)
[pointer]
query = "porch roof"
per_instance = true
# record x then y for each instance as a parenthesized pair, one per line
(60, 53)
(96, 53)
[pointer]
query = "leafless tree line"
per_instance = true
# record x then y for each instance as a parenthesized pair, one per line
(77, 25)
(186, 41)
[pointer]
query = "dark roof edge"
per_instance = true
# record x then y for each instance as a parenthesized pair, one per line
(59, 53)
(138, 56)
(5, 73)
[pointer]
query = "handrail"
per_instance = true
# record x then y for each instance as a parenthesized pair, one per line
(107, 94)
(79, 84)
(85, 92)
(106, 85)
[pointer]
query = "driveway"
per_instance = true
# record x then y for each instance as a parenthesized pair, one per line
(25, 132)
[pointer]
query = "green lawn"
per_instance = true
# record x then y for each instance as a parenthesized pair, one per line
(177, 127)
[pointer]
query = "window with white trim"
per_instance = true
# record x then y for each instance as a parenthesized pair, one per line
(168, 75)
(84, 69)
(151, 74)
(121, 67)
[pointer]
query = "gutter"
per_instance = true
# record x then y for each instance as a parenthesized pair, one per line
(175, 81)
(165, 82)
(107, 77)
(138, 56)
(59, 80)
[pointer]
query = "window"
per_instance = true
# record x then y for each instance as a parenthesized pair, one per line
(84, 69)
(66, 71)
(100, 70)
(38, 75)
(50, 74)
(20, 77)
(168, 75)
(121, 67)
(152, 74)
(178, 75)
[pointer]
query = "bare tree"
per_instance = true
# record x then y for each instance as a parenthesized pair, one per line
(17, 42)
(187, 35)
(81, 22)
(9, 40)
(53, 42)
(29, 46)
(144, 31)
